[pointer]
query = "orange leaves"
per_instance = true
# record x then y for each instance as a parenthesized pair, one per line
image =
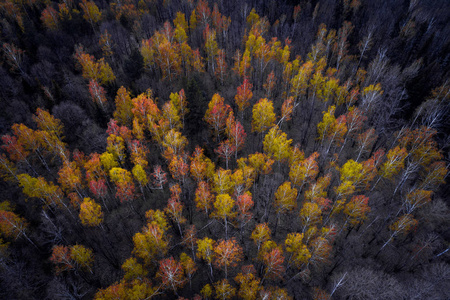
(201, 166)
(227, 253)
(159, 177)
(403, 224)
(11, 225)
(99, 71)
(61, 257)
(273, 261)
(203, 197)
(420, 145)
(356, 209)
(244, 203)
(49, 17)
(69, 177)
(225, 150)
(235, 132)
(67, 258)
(244, 95)
(171, 273)
(217, 113)
(178, 168)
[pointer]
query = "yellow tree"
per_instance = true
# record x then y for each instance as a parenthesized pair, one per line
(310, 214)
(261, 234)
(90, 213)
(91, 12)
(263, 115)
(298, 252)
(82, 257)
(224, 209)
(276, 145)
(285, 199)
(205, 251)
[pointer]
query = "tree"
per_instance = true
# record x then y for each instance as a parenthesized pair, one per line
(82, 257)
(273, 261)
(178, 168)
(151, 243)
(263, 116)
(133, 269)
(248, 283)
(227, 254)
(244, 204)
(124, 184)
(270, 83)
(224, 209)
(299, 253)
(402, 226)
(285, 199)
(205, 248)
(190, 239)
(310, 214)
(365, 141)
(203, 197)
(303, 171)
(188, 265)
(320, 249)
(49, 18)
(226, 150)
(221, 66)
(415, 199)
(276, 144)
(222, 182)
(211, 48)
(224, 290)
(171, 274)
(159, 177)
(174, 208)
(98, 93)
(90, 213)
(61, 258)
(91, 12)
(123, 113)
(69, 177)
(244, 95)
(217, 113)
(235, 133)
(201, 166)
(395, 162)
(261, 234)
(12, 225)
(357, 209)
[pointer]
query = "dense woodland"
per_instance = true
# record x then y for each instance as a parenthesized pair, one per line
(184, 149)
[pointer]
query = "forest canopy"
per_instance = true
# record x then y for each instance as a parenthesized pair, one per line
(224, 149)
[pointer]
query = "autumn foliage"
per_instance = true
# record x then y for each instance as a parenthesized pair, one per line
(202, 150)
